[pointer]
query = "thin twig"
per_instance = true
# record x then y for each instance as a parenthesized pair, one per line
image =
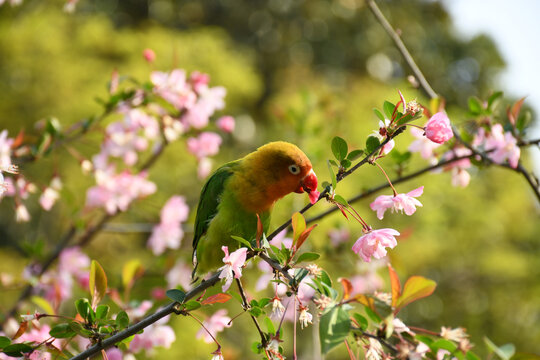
(402, 49)
(246, 306)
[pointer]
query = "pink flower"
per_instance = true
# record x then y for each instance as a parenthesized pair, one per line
(338, 236)
(115, 192)
(304, 318)
(216, 323)
(74, 262)
(233, 265)
(5, 150)
(149, 55)
(157, 334)
(401, 202)
(48, 198)
(374, 242)
(199, 80)
(423, 145)
(226, 123)
(21, 213)
(169, 233)
(179, 274)
(207, 144)
(174, 88)
(460, 177)
(139, 311)
(438, 128)
(503, 145)
(204, 168)
(210, 100)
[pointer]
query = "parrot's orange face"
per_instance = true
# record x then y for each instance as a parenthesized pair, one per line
(287, 170)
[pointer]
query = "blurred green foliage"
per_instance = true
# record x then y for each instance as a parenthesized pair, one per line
(306, 71)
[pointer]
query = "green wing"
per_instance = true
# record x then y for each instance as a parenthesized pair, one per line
(209, 201)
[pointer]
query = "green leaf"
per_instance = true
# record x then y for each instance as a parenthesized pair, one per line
(308, 256)
(77, 327)
(4, 341)
(83, 308)
(256, 311)
(339, 148)
(475, 106)
(345, 163)
(299, 275)
(388, 109)
(472, 356)
(505, 352)
(334, 327)
(242, 241)
(270, 328)
(493, 99)
(176, 295)
(332, 175)
(325, 279)
(362, 321)
(521, 356)
(425, 339)
(97, 283)
(122, 320)
(379, 114)
(372, 315)
(372, 143)
(102, 311)
(415, 288)
(17, 350)
(341, 200)
(192, 305)
(443, 344)
(62, 331)
(355, 154)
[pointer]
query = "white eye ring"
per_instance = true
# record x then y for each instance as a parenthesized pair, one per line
(294, 169)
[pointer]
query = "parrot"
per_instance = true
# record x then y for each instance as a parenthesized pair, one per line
(238, 191)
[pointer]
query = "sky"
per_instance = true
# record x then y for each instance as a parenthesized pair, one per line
(513, 25)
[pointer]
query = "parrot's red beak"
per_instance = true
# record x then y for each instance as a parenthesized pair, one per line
(309, 185)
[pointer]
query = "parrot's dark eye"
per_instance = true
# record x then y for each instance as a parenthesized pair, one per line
(294, 169)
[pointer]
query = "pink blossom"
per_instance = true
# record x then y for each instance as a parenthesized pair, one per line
(37, 335)
(179, 274)
(304, 318)
(74, 262)
(499, 145)
(174, 88)
(388, 147)
(114, 354)
(438, 128)
(423, 145)
(204, 168)
(233, 265)
(207, 144)
(401, 202)
(70, 6)
(460, 177)
(139, 311)
(149, 55)
(157, 334)
(169, 233)
(210, 100)
(116, 192)
(199, 80)
(226, 123)
(338, 236)
(374, 242)
(48, 198)
(5, 150)
(21, 213)
(216, 323)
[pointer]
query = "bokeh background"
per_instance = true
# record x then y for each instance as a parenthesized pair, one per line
(301, 71)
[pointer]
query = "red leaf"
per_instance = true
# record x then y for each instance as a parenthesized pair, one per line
(21, 330)
(218, 298)
(516, 108)
(347, 287)
(395, 284)
(18, 141)
(304, 235)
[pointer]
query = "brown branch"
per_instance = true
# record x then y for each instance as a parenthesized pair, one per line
(402, 49)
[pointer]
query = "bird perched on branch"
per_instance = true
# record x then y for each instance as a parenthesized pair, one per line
(240, 190)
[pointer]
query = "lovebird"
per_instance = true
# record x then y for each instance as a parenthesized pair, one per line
(239, 190)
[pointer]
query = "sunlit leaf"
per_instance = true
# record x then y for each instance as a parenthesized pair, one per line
(298, 225)
(270, 328)
(62, 331)
(492, 100)
(44, 304)
(395, 285)
(416, 287)
(307, 257)
(361, 321)
(97, 283)
(192, 305)
(218, 298)
(505, 352)
(379, 114)
(242, 241)
(304, 235)
(83, 308)
(332, 175)
(129, 271)
(475, 106)
(355, 154)
(388, 109)
(334, 327)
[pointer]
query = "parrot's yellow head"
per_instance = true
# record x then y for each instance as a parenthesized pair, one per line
(280, 168)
